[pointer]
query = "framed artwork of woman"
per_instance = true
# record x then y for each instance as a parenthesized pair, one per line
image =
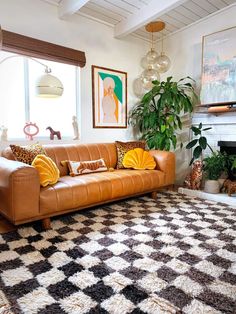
(109, 89)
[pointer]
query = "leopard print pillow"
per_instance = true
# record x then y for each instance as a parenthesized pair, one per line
(123, 147)
(28, 153)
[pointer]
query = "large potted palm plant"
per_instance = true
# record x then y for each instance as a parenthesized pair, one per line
(158, 115)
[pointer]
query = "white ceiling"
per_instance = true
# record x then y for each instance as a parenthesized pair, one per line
(115, 12)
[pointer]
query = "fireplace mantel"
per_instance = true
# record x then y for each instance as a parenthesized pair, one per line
(224, 118)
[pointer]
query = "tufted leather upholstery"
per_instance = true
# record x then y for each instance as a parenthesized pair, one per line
(22, 199)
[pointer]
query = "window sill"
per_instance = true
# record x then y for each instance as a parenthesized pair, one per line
(42, 141)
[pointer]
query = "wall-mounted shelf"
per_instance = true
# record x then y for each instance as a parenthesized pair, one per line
(217, 108)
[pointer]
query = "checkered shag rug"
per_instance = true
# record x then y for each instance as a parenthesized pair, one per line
(173, 255)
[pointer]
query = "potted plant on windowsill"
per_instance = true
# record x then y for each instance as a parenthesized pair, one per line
(214, 166)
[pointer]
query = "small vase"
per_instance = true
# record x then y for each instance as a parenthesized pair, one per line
(212, 186)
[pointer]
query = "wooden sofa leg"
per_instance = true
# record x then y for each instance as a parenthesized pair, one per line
(170, 187)
(154, 195)
(46, 222)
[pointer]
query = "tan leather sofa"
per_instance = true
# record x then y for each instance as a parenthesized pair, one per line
(23, 200)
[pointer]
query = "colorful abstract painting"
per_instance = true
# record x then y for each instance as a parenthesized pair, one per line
(109, 98)
(219, 67)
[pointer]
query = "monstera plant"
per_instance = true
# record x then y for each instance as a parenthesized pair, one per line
(158, 115)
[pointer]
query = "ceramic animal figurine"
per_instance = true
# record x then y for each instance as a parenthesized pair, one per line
(194, 178)
(229, 187)
(54, 133)
(75, 128)
(4, 133)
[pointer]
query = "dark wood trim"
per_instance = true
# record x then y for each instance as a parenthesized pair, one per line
(93, 67)
(215, 104)
(31, 47)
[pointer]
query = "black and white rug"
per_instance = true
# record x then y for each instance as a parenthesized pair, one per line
(175, 255)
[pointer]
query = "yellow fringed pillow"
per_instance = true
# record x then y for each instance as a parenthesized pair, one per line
(139, 159)
(48, 171)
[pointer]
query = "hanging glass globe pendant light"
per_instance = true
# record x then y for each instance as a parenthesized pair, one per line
(148, 76)
(162, 62)
(149, 61)
(152, 63)
(151, 56)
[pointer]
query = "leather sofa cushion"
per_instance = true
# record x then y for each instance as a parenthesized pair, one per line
(82, 152)
(75, 192)
(77, 152)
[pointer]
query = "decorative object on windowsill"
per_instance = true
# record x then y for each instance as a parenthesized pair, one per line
(193, 180)
(48, 85)
(4, 133)
(28, 132)
(229, 187)
(54, 133)
(152, 62)
(75, 128)
(213, 168)
(157, 116)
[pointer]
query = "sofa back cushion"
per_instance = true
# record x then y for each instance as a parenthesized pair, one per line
(79, 152)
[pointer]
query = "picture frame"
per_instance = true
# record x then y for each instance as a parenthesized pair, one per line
(219, 68)
(109, 97)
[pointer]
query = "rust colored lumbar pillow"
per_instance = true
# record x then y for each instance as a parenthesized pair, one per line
(139, 159)
(48, 172)
(123, 147)
(80, 167)
(28, 153)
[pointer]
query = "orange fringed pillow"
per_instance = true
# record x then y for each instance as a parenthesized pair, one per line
(48, 172)
(139, 159)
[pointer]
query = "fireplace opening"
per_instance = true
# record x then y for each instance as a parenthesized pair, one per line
(229, 147)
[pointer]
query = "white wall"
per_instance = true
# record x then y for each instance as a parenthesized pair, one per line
(40, 20)
(185, 47)
(185, 51)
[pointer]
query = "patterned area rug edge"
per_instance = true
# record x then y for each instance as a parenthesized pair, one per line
(175, 255)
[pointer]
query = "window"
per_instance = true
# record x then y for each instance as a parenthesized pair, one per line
(19, 104)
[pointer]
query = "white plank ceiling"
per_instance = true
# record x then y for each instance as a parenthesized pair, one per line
(115, 11)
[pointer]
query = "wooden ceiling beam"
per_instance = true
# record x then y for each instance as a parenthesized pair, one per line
(148, 13)
(69, 7)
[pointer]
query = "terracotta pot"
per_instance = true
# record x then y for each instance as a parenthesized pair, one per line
(212, 186)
